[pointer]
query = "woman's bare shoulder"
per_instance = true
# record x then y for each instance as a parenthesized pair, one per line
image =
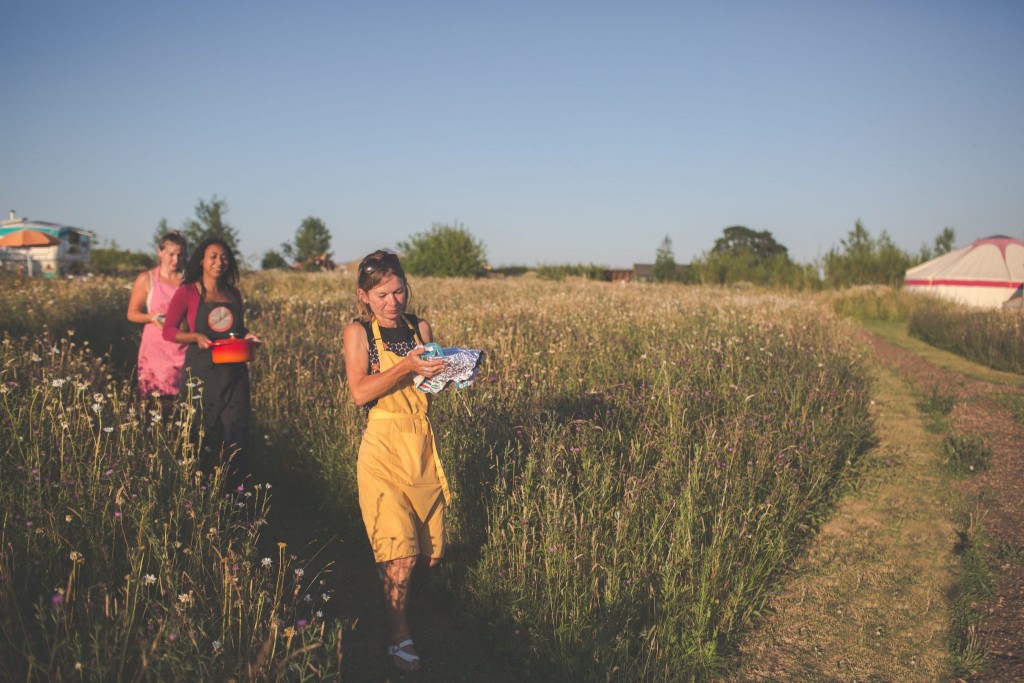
(355, 330)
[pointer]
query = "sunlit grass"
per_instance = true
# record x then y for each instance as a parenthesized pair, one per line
(631, 471)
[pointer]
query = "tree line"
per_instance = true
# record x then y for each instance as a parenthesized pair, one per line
(741, 254)
(746, 255)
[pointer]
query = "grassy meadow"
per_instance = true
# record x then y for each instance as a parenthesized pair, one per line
(631, 473)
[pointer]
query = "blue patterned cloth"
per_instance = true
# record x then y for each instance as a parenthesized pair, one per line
(461, 367)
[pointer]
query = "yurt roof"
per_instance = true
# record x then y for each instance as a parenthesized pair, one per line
(992, 260)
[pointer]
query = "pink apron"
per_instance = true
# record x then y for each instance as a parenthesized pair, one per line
(159, 361)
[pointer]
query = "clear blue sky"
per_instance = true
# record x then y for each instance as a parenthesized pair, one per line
(554, 131)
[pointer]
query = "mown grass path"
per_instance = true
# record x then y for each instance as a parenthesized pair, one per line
(987, 404)
(867, 601)
(870, 599)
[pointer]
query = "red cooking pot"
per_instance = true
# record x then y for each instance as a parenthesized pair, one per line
(234, 350)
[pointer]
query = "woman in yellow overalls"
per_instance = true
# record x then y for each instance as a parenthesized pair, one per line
(402, 488)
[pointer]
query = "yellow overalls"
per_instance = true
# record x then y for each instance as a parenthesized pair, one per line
(402, 487)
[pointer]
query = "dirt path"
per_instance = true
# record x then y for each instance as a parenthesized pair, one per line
(869, 601)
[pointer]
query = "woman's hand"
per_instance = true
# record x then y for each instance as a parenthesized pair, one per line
(253, 338)
(202, 341)
(157, 320)
(428, 367)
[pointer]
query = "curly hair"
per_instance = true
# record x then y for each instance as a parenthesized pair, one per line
(194, 268)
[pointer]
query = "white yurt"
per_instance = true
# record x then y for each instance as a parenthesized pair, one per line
(983, 274)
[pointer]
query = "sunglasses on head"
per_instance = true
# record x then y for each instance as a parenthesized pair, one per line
(372, 264)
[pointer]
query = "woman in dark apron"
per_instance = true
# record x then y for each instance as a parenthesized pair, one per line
(211, 306)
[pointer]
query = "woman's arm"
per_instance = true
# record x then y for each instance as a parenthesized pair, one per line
(426, 333)
(366, 387)
(177, 309)
(137, 302)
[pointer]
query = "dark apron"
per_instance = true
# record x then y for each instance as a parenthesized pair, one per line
(225, 407)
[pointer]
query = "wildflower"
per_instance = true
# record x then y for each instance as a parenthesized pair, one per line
(319, 613)
(216, 645)
(67, 518)
(301, 622)
(325, 597)
(99, 398)
(36, 359)
(58, 383)
(149, 579)
(299, 572)
(307, 597)
(108, 429)
(266, 562)
(289, 632)
(96, 407)
(185, 598)
(57, 599)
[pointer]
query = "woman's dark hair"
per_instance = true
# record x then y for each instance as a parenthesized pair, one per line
(373, 270)
(175, 237)
(194, 268)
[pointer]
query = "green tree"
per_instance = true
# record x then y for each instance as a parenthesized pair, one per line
(943, 245)
(665, 267)
(273, 259)
(109, 258)
(209, 222)
(444, 250)
(739, 239)
(863, 260)
(944, 241)
(312, 239)
(745, 255)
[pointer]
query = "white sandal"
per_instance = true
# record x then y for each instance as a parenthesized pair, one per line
(397, 651)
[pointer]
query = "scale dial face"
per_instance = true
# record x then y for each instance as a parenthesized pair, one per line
(220, 319)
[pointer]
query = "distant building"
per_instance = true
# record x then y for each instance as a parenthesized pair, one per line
(643, 272)
(70, 255)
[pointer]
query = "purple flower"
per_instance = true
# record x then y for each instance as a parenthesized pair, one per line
(57, 599)
(301, 622)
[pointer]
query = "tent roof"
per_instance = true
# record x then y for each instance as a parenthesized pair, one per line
(992, 260)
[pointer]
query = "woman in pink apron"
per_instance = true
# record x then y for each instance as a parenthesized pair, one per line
(160, 361)
(402, 488)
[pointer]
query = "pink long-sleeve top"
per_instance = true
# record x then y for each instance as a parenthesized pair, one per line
(184, 305)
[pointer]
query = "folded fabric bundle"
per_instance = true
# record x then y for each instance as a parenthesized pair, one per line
(461, 367)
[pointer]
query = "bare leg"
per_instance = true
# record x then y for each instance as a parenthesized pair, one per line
(396, 594)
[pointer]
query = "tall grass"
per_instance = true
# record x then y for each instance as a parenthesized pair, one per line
(116, 561)
(632, 470)
(992, 338)
(874, 302)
